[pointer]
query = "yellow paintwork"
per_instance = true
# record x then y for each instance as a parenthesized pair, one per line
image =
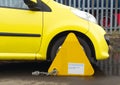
(61, 19)
(71, 54)
(19, 21)
(96, 34)
(34, 1)
(48, 25)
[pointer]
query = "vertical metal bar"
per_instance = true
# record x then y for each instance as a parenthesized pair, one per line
(83, 5)
(61, 1)
(116, 8)
(106, 16)
(74, 3)
(5, 2)
(11, 3)
(79, 4)
(119, 17)
(70, 4)
(0, 2)
(65, 2)
(97, 10)
(92, 10)
(111, 15)
(88, 2)
(102, 15)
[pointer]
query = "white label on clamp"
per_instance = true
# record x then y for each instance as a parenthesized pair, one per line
(76, 68)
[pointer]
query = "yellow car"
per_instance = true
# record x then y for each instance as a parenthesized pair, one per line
(36, 29)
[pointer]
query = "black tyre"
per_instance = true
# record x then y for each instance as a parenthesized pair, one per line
(57, 44)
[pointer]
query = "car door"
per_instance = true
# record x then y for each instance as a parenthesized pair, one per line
(20, 30)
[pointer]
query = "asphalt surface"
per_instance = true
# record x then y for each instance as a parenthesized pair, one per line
(21, 74)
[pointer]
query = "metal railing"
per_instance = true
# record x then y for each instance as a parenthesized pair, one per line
(107, 12)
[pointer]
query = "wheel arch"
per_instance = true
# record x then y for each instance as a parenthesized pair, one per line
(83, 36)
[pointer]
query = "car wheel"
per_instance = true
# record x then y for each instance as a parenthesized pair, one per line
(57, 45)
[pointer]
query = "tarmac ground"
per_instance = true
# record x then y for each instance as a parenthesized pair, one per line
(21, 74)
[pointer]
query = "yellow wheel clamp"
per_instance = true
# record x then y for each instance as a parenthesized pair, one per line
(71, 59)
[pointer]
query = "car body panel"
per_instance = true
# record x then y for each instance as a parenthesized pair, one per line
(97, 36)
(39, 28)
(20, 32)
(59, 23)
(70, 23)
